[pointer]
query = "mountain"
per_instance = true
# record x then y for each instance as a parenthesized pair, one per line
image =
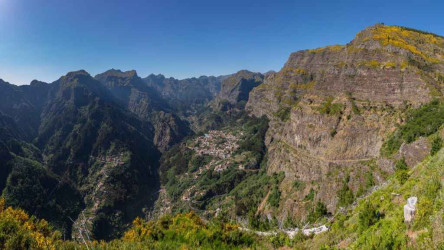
(332, 111)
(83, 152)
(341, 119)
(91, 143)
(235, 89)
(15, 104)
(340, 137)
(146, 102)
(186, 95)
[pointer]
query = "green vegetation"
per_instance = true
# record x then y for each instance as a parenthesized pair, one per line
(332, 48)
(367, 217)
(407, 39)
(377, 222)
(345, 194)
(319, 211)
(237, 190)
(310, 196)
(184, 231)
(355, 108)
(369, 182)
(423, 121)
(436, 145)
(401, 171)
(330, 108)
(283, 113)
(275, 197)
(19, 231)
(370, 64)
(298, 185)
(33, 189)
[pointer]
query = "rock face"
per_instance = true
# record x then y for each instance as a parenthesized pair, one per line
(236, 88)
(410, 209)
(331, 108)
(415, 151)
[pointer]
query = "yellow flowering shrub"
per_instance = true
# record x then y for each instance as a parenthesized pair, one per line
(405, 39)
(19, 231)
(332, 48)
(370, 64)
(185, 230)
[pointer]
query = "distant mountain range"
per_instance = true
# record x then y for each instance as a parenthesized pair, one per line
(275, 150)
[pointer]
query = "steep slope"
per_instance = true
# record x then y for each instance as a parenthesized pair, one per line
(109, 154)
(236, 88)
(188, 95)
(15, 104)
(208, 172)
(146, 102)
(331, 109)
(377, 219)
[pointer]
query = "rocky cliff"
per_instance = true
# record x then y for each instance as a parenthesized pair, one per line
(235, 89)
(331, 109)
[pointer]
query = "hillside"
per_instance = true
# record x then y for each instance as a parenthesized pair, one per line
(340, 137)
(331, 110)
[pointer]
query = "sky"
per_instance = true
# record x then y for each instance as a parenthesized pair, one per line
(45, 39)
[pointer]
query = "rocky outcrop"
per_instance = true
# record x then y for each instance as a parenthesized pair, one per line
(410, 209)
(415, 151)
(331, 108)
(236, 89)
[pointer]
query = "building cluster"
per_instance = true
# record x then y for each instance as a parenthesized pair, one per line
(111, 159)
(217, 143)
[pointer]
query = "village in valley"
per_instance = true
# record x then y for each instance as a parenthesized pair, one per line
(220, 145)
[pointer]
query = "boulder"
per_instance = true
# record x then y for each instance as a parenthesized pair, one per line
(410, 209)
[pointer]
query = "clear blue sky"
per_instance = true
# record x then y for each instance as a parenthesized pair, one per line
(44, 39)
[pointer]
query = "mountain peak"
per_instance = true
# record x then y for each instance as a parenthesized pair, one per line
(38, 83)
(118, 73)
(77, 73)
(402, 40)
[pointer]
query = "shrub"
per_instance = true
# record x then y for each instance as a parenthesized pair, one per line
(345, 194)
(367, 217)
(318, 212)
(310, 195)
(401, 164)
(423, 121)
(186, 231)
(401, 171)
(330, 108)
(298, 185)
(19, 231)
(275, 197)
(402, 176)
(279, 240)
(436, 145)
(283, 113)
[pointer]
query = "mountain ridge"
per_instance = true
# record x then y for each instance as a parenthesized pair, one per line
(279, 149)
